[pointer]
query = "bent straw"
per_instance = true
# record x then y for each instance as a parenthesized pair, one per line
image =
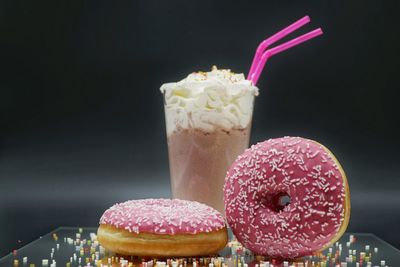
(274, 38)
(280, 48)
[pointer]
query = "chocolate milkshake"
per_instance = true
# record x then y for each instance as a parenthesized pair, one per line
(208, 119)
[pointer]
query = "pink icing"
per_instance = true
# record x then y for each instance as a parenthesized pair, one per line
(291, 166)
(163, 216)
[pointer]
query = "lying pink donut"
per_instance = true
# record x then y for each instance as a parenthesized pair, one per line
(162, 228)
(287, 197)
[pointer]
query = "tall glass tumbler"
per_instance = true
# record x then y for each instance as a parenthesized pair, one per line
(206, 131)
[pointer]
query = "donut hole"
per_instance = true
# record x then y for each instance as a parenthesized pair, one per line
(277, 202)
(284, 200)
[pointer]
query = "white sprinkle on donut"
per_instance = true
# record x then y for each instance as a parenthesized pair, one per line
(163, 216)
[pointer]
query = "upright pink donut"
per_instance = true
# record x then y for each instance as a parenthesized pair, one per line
(261, 181)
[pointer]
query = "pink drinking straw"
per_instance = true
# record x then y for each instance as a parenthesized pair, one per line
(261, 56)
(280, 48)
(274, 38)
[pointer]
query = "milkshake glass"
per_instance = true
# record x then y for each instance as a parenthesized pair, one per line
(208, 119)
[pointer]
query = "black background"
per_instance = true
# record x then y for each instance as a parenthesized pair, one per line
(82, 123)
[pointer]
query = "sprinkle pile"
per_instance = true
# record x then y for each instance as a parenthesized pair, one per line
(88, 253)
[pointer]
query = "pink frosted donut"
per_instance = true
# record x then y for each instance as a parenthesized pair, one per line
(162, 227)
(287, 197)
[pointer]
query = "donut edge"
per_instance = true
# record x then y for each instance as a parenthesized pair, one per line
(123, 242)
(347, 205)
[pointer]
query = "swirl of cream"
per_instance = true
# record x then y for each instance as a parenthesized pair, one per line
(208, 100)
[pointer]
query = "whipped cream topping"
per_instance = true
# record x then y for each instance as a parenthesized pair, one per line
(209, 100)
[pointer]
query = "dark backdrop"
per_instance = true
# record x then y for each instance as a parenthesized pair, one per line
(82, 123)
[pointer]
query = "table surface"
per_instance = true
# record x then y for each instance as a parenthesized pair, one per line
(60, 246)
